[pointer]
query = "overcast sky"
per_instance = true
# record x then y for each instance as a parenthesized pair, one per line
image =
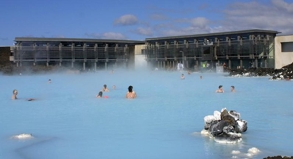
(138, 19)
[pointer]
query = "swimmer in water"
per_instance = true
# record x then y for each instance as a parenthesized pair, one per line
(14, 95)
(220, 90)
(49, 81)
(233, 89)
(105, 89)
(130, 93)
(182, 77)
(100, 95)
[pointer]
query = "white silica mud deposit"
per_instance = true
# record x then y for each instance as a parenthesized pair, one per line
(251, 153)
(22, 136)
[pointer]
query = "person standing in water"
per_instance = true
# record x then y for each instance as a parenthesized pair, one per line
(182, 77)
(105, 89)
(233, 89)
(130, 93)
(14, 95)
(100, 95)
(220, 90)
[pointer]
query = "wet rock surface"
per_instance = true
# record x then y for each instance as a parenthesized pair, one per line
(225, 126)
(285, 72)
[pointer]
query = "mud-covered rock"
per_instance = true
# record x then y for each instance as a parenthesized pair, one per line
(285, 72)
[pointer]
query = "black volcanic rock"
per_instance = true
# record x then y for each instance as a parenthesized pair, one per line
(285, 72)
(279, 157)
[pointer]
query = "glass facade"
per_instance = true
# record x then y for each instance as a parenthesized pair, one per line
(241, 49)
(52, 51)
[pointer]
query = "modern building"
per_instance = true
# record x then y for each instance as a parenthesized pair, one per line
(235, 49)
(73, 52)
(244, 49)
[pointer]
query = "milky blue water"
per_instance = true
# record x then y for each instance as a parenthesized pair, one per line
(165, 121)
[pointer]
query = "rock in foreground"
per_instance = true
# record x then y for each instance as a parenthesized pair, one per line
(225, 126)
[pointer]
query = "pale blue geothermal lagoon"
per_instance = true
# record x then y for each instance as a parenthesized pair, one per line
(67, 121)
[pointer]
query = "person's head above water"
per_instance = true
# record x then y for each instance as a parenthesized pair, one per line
(100, 94)
(130, 89)
(220, 86)
(15, 92)
(232, 89)
(105, 89)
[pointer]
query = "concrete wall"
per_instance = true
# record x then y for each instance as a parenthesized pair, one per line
(282, 58)
(138, 48)
(140, 62)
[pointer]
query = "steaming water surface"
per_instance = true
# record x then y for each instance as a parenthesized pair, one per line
(165, 121)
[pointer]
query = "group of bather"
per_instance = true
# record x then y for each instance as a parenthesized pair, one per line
(130, 94)
(220, 89)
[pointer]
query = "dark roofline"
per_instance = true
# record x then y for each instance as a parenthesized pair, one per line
(215, 34)
(38, 39)
(290, 34)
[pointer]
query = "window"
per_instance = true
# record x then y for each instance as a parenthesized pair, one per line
(287, 47)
